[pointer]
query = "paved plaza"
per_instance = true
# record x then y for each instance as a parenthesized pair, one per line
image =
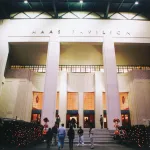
(87, 147)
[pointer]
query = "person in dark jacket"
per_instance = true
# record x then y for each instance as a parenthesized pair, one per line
(54, 130)
(71, 135)
(101, 121)
(58, 120)
(49, 136)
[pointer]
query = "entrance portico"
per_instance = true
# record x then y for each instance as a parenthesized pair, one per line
(98, 110)
(51, 73)
(53, 53)
(68, 36)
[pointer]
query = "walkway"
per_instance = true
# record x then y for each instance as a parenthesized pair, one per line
(87, 147)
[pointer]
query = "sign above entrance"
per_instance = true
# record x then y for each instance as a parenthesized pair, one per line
(73, 32)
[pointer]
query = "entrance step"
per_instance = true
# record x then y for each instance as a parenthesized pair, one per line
(101, 136)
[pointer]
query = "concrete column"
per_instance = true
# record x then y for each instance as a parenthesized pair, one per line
(4, 49)
(98, 99)
(80, 109)
(63, 97)
(50, 87)
(111, 82)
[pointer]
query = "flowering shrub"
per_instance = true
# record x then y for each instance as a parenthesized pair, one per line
(18, 133)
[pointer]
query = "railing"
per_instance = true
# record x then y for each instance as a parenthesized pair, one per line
(127, 68)
(82, 68)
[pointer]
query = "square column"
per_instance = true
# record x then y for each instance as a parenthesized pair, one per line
(111, 82)
(80, 109)
(98, 99)
(50, 87)
(4, 50)
(63, 97)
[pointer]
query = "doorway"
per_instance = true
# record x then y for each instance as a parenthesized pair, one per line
(89, 119)
(36, 116)
(125, 118)
(72, 118)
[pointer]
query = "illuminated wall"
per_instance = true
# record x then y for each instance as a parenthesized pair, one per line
(72, 101)
(78, 54)
(124, 104)
(81, 54)
(57, 101)
(89, 100)
(91, 54)
(38, 100)
(132, 54)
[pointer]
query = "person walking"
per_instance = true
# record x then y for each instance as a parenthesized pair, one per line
(49, 136)
(80, 135)
(91, 134)
(101, 121)
(61, 136)
(71, 135)
(54, 131)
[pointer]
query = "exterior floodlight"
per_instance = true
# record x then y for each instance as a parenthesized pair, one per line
(25, 1)
(136, 3)
(81, 1)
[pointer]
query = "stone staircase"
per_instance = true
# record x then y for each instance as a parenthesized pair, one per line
(101, 136)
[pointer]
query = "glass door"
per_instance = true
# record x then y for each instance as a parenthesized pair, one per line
(125, 119)
(36, 118)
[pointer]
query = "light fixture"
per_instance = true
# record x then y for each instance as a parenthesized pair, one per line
(25, 1)
(81, 1)
(136, 3)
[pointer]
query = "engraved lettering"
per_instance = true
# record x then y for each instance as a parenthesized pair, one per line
(118, 32)
(128, 33)
(51, 32)
(103, 32)
(34, 32)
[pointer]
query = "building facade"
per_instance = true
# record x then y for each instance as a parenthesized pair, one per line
(104, 83)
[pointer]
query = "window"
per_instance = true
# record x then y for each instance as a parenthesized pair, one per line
(37, 100)
(89, 99)
(72, 101)
(124, 105)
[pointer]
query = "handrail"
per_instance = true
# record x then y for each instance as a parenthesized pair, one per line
(82, 68)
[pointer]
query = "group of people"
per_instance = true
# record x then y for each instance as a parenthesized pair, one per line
(60, 133)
